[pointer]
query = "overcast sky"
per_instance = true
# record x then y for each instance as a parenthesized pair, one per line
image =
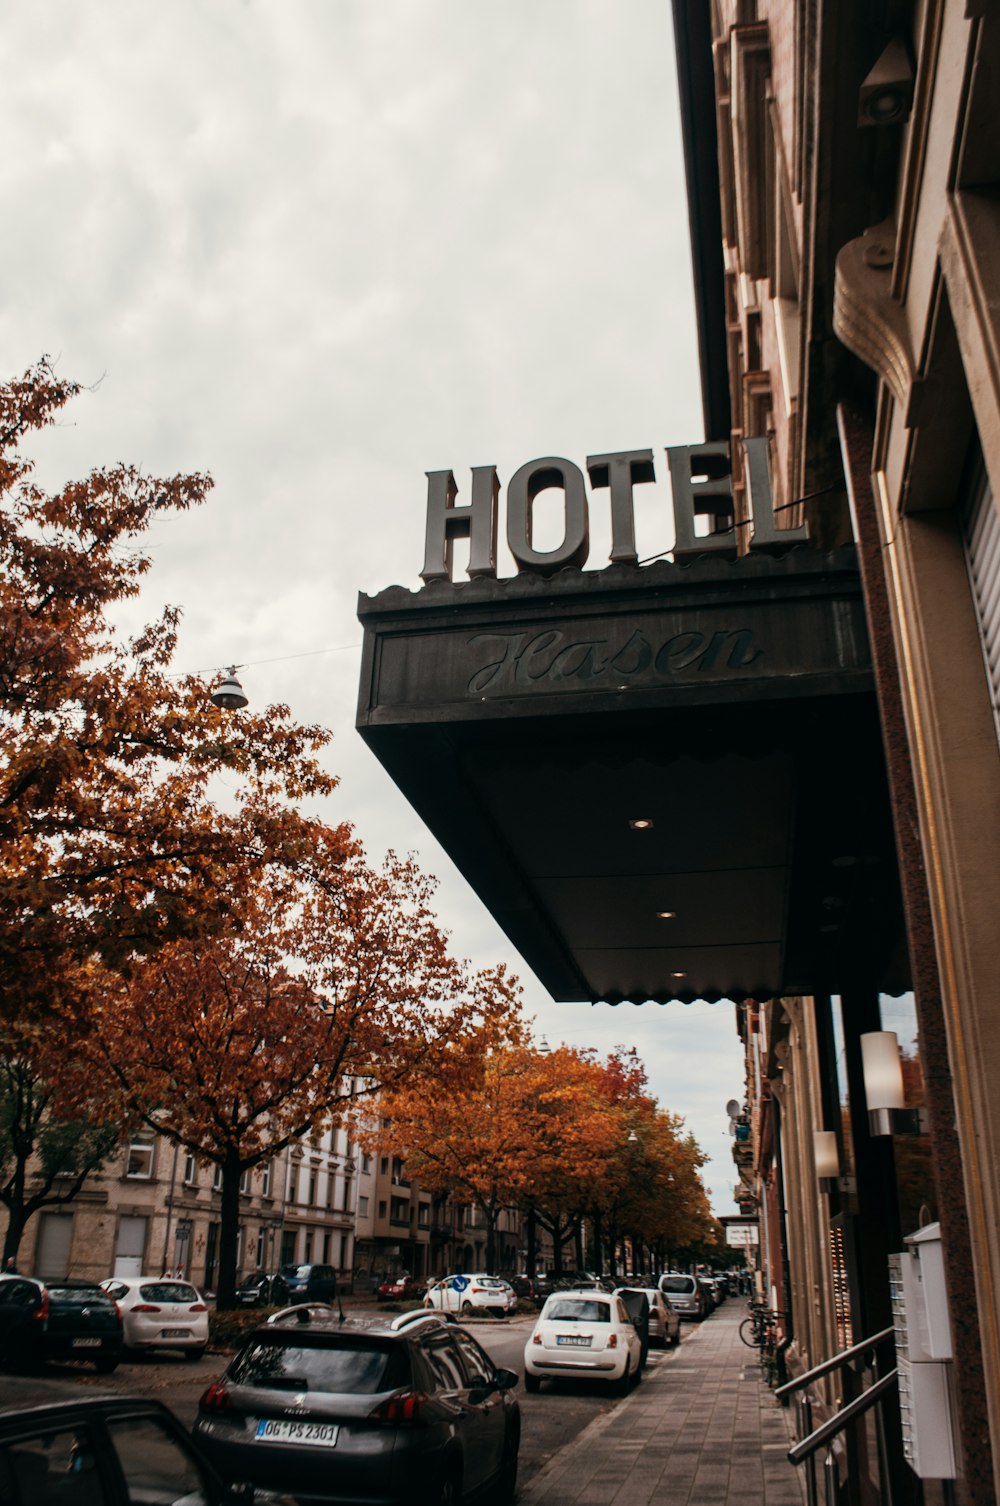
(319, 247)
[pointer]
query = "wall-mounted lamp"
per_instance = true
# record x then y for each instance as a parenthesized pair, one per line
(884, 1091)
(827, 1158)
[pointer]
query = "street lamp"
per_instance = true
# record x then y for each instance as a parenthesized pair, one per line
(229, 694)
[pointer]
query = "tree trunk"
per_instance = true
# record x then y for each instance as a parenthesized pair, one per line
(578, 1243)
(598, 1244)
(491, 1241)
(16, 1221)
(532, 1233)
(229, 1231)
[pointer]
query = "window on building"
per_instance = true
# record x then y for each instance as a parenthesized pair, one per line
(366, 1164)
(362, 1207)
(348, 1194)
(326, 1249)
(307, 1248)
(217, 1179)
(381, 1208)
(265, 1181)
(383, 1165)
(246, 1186)
(312, 1189)
(140, 1160)
(424, 1215)
(190, 1170)
(261, 1246)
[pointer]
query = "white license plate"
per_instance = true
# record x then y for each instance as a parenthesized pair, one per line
(175, 1333)
(574, 1340)
(86, 1343)
(322, 1433)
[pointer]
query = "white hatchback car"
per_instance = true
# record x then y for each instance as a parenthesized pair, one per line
(466, 1293)
(160, 1312)
(583, 1333)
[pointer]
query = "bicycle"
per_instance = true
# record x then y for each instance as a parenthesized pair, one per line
(760, 1331)
(753, 1330)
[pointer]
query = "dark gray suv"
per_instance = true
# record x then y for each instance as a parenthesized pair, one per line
(310, 1283)
(407, 1410)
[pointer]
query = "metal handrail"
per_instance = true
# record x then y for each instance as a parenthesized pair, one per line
(837, 1423)
(845, 1357)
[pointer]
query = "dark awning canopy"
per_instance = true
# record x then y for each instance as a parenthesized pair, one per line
(533, 722)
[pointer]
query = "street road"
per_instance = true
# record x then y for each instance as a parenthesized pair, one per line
(550, 1418)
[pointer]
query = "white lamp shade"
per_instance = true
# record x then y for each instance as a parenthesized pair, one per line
(229, 695)
(882, 1070)
(826, 1154)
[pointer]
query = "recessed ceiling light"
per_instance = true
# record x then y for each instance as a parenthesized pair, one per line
(678, 975)
(666, 914)
(641, 823)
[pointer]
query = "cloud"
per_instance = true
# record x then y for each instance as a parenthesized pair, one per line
(319, 247)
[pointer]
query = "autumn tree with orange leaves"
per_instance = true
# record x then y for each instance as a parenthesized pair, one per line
(57, 1125)
(650, 1191)
(503, 1121)
(322, 987)
(110, 844)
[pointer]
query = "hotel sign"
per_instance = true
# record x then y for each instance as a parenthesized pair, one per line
(700, 483)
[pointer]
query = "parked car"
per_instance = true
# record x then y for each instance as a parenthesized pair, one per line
(310, 1283)
(108, 1451)
(159, 1312)
(466, 1293)
(664, 1321)
(401, 1288)
(263, 1289)
(712, 1298)
(64, 1320)
(684, 1294)
(408, 1409)
(637, 1306)
(583, 1333)
(523, 1285)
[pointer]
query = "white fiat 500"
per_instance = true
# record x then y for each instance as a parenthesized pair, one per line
(160, 1312)
(583, 1333)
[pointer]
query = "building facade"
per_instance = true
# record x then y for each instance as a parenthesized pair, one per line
(154, 1208)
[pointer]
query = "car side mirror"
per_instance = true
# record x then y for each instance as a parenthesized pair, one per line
(507, 1380)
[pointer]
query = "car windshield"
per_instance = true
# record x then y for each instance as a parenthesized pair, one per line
(677, 1284)
(168, 1291)
(344, 1365)
(301, 1271)
(580, 1310)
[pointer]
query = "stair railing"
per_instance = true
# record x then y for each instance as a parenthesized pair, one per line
(806, 1450)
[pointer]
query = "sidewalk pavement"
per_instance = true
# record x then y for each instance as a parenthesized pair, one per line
(701, 1429)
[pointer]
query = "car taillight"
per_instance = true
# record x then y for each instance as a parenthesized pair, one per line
(612, 1341)
(41, 1312)
(216, 1398)
(145, 1307)
(198, 1307)
(536, 1338)
(400, 1411)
